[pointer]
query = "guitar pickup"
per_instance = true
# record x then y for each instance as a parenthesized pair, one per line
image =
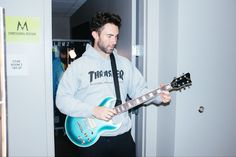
(80, 127)
(91, 123)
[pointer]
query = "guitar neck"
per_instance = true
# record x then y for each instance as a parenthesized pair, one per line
(140, 100)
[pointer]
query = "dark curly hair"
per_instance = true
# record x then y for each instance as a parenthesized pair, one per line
(102, 18)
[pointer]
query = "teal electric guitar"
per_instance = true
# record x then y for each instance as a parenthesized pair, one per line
(84, 132)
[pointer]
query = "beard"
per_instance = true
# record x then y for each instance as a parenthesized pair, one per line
(106, 49)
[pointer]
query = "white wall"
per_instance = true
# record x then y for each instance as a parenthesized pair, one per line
(30, 109)
(151, 46)
(167, 63)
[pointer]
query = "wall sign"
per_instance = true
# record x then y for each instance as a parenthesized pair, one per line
(22, 29)
(17, 65)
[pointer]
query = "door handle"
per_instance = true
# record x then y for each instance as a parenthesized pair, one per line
(201, 109)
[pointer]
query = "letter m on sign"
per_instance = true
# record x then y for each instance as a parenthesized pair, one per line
(19, 26)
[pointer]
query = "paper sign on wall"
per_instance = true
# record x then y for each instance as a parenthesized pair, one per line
(17, 65)
(22, 29)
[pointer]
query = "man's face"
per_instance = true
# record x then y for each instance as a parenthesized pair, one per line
(106, 38)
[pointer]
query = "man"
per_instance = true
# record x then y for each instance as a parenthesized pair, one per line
(59, 66)
(89, 80)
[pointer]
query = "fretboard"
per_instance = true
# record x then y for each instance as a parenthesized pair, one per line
(140, 100)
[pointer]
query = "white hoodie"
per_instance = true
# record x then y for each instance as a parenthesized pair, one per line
(88, 81)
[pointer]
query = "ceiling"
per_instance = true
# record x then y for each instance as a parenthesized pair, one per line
(65, 7)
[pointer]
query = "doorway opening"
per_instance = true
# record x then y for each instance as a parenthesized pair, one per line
(73, 26)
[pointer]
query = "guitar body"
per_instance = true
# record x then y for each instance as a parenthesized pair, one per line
(84, 132)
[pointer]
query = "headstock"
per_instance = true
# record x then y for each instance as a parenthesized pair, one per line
(181, 82)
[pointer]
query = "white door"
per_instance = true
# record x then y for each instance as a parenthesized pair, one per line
(207, 48)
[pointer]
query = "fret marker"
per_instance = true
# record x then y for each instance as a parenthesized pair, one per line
(118, 110)
(150, 95)
(158, 91)
(144, 98)
(122, 108)
(129, 105)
